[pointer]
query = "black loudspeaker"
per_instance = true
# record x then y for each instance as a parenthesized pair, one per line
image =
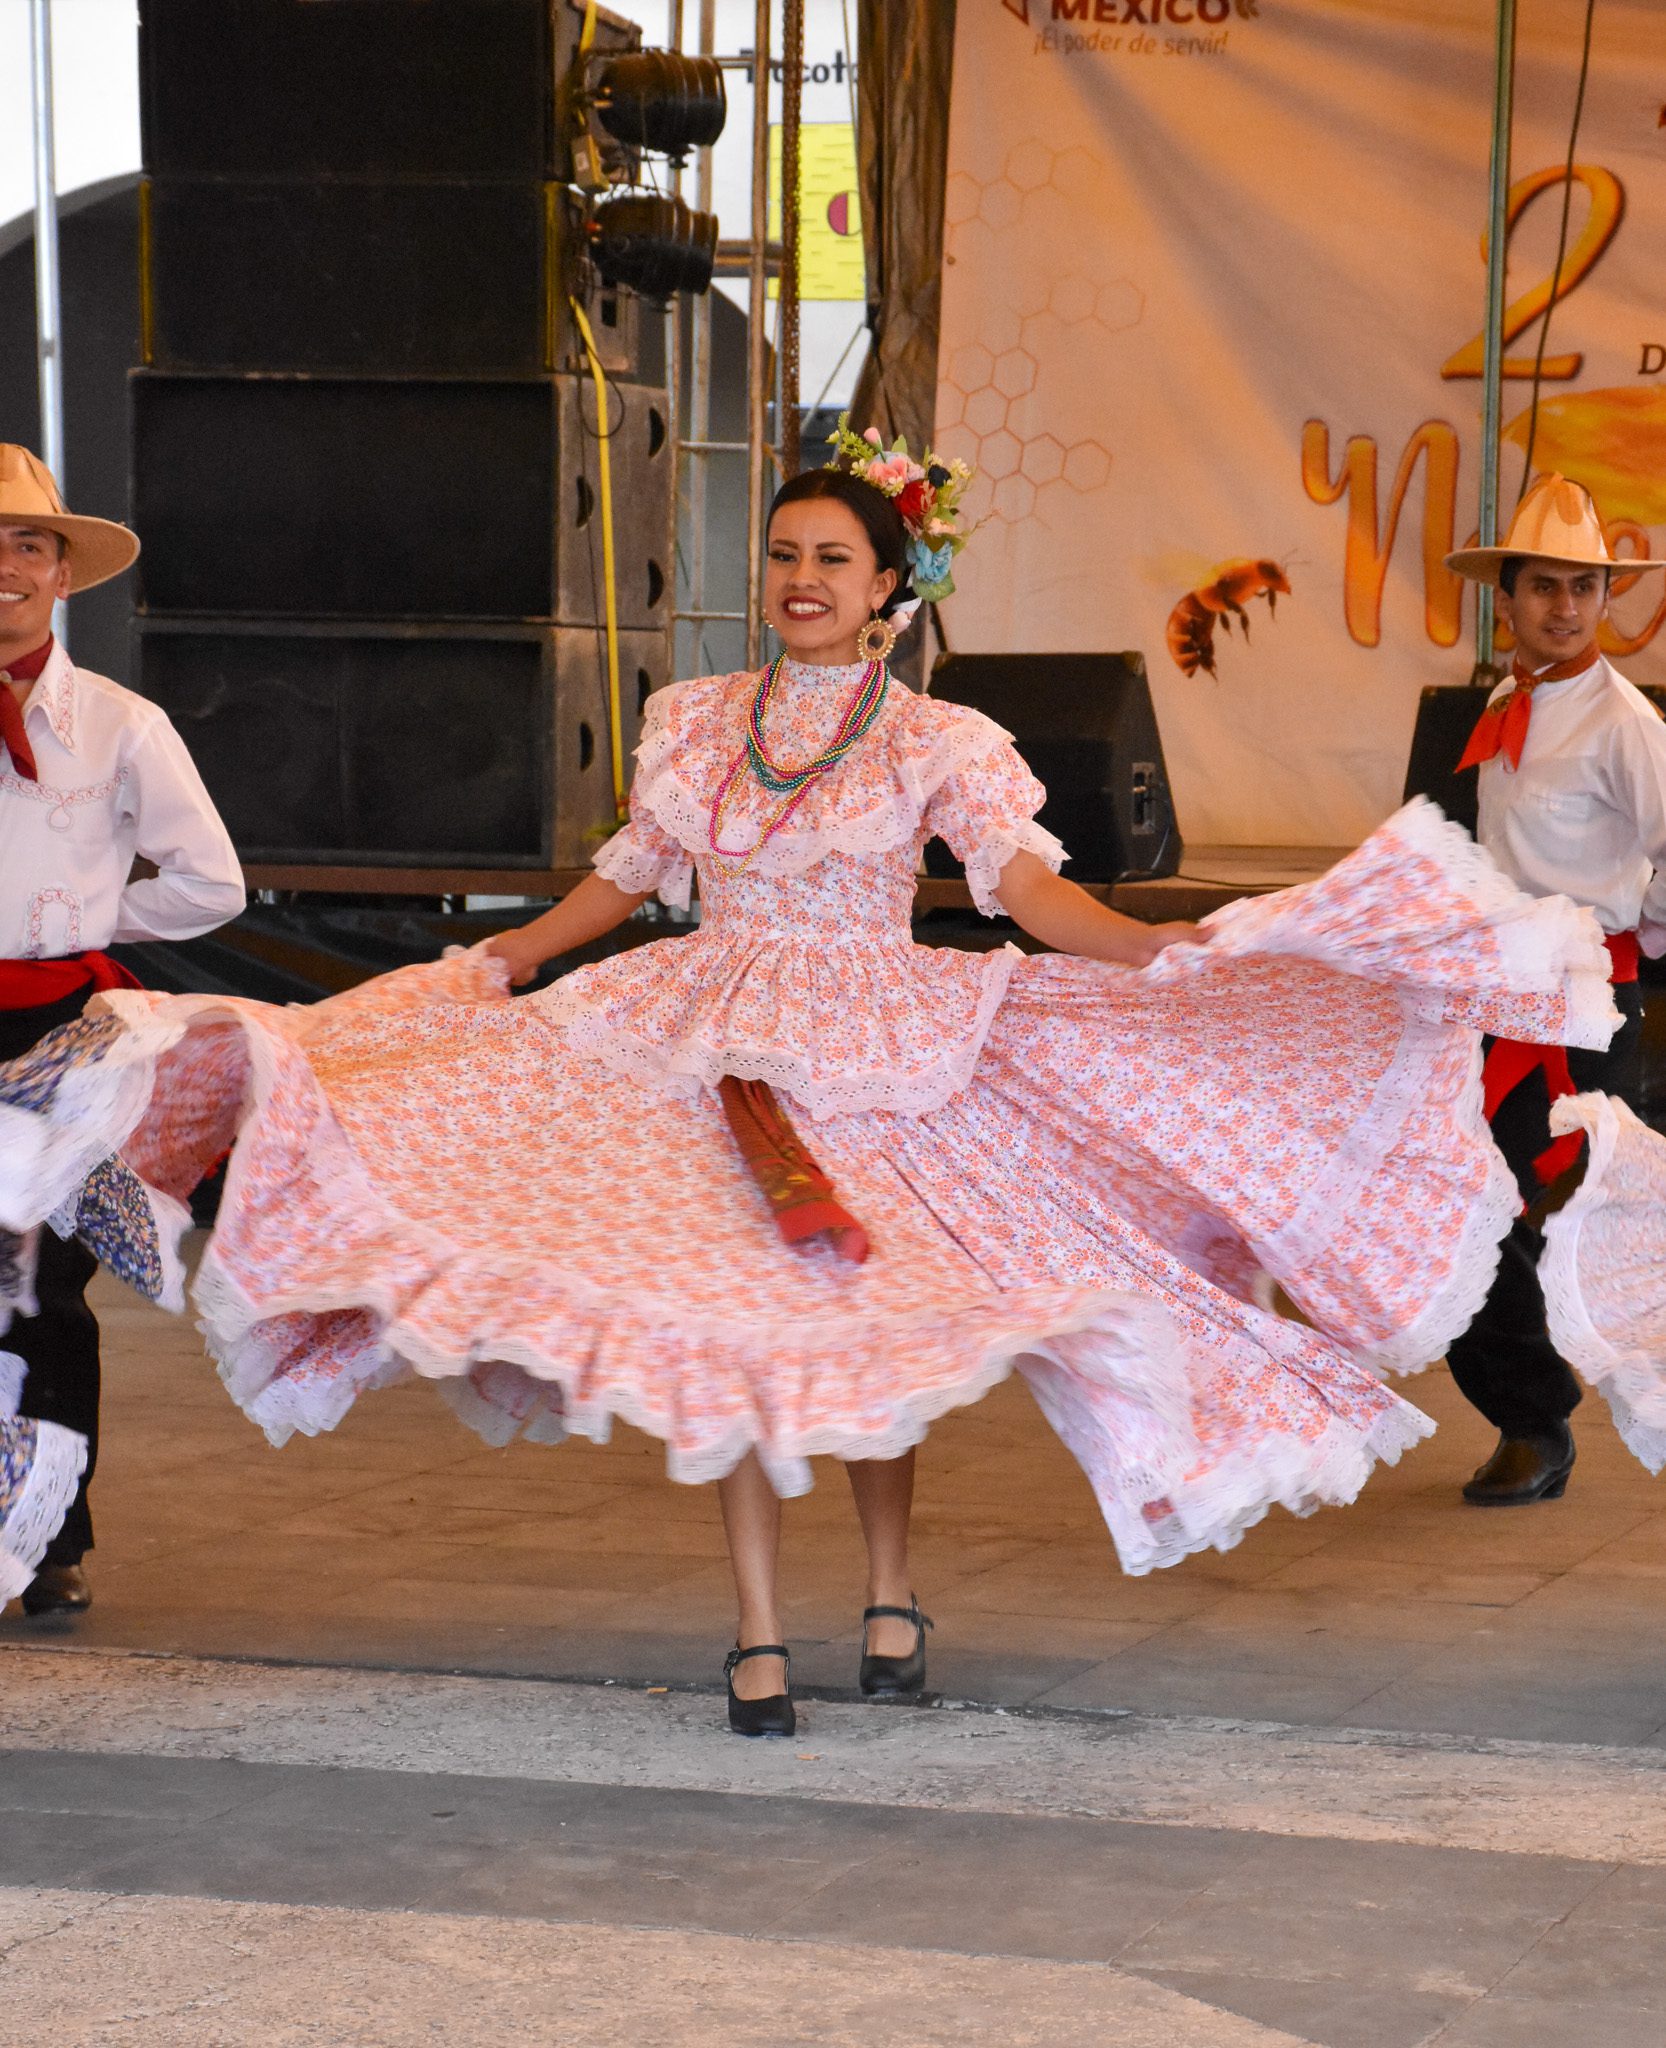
(411, 279)
(313, 497)
(441, 746)
(1446, 716)
(303, 89)
(1085, 724)
(371, 508)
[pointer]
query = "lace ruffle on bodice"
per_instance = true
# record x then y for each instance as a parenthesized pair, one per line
(804, 972)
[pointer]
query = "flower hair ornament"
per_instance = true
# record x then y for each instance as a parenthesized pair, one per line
(926, 494)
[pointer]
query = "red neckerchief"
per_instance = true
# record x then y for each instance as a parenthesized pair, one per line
(23, 670)
(1502, 728)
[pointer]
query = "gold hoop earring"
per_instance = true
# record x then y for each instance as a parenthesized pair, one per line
(876, 639)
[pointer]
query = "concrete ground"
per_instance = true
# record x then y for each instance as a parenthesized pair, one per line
(387, 1738)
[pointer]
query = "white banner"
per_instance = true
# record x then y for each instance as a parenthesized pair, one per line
(1211, 324)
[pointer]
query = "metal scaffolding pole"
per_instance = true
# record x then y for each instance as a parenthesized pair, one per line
(674, 396)
(757, 339)
(48, 305)
(788, 423)
(699, 394)
(1493, 328)
(48, 347)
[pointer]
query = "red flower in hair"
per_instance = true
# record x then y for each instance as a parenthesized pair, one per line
(914, 500)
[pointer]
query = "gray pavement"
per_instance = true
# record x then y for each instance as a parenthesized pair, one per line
(386, 1738)
(894, 1875)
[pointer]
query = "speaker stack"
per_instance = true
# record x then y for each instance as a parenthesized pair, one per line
(365, 464)
(1086, 726)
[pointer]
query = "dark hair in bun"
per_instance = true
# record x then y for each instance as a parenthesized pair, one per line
(881, 521)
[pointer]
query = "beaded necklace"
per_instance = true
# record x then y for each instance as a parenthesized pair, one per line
(794, 784)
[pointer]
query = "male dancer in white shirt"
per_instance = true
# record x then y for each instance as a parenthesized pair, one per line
(91, 776)
(1572, 802)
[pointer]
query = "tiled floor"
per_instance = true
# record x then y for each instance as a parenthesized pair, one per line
(400, 1541)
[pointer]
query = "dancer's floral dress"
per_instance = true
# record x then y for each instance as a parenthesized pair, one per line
(1076, 1170)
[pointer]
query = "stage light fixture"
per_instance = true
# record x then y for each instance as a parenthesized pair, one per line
(658, 100)
(654, 244)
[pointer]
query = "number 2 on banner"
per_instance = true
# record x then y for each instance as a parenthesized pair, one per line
(1602, 224)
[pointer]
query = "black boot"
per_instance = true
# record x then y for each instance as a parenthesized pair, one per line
(1524, 1469)
(58, 1589)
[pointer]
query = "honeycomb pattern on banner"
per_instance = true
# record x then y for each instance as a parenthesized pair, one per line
(1038, 330)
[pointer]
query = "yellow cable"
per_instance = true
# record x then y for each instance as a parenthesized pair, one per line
(615, 724)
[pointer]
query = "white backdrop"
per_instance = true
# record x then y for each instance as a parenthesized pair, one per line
(1214, 273)
(95, 67)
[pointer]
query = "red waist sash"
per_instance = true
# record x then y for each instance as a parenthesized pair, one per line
(36, 984)
(1510, 1061)
(800, 1196)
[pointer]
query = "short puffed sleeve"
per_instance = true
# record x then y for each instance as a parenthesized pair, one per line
(642, 857)
(985, 812)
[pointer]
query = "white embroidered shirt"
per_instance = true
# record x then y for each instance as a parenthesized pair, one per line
(1585, 813)
(115, 782)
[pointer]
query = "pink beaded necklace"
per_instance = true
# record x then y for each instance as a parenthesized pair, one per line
(793, 783)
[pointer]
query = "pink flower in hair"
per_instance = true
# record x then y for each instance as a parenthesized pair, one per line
(893, 469)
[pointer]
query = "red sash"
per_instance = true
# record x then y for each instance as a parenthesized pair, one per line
(37, 984)
(800, 1195)
(1510, 1061)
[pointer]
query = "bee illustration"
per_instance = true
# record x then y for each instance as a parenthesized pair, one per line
(1191, 627)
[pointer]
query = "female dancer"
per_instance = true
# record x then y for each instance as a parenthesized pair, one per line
(590, 1203)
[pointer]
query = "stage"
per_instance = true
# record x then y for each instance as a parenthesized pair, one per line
(388, 1709)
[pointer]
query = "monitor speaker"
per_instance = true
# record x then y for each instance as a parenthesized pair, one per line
(1446, 715)
(1086, 726)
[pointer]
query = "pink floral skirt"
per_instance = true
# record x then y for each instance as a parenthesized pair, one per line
(427, 1178)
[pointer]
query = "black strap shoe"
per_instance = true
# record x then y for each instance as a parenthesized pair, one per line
(773, 1716)
(1522, 1470)
(886, 1677)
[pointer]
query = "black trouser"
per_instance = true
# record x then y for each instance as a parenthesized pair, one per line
(1505, 1362)
(60, 1344)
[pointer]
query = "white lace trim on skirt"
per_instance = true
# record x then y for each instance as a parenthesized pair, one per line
(38, 1512)
(1606, 1241)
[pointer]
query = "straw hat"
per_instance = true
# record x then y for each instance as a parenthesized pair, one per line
(29, 496)
(1557, 521)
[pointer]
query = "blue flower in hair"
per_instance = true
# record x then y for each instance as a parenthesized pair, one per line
(930, 565)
